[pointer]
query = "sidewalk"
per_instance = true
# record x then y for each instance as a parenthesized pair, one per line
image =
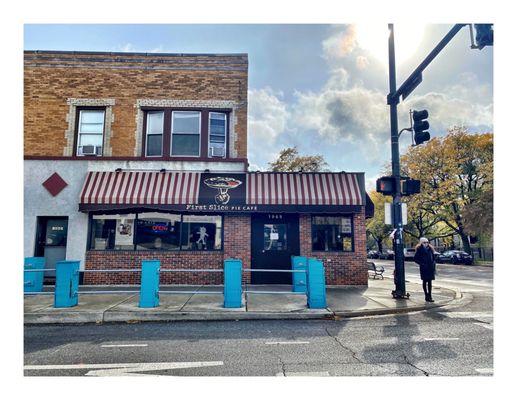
(342, 302)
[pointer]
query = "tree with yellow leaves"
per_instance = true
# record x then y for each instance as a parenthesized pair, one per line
(289, 160)
(375, 226)
(456, 174)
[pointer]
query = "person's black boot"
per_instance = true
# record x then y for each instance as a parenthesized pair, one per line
(430, 299)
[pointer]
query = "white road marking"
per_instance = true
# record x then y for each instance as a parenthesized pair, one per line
(127, 369)
(124, 345)
(485, 371)
(287, 342)
(466, 282)
(469, 290)
(314, 373)
(486, 326)
(441, 339)
(468, 314)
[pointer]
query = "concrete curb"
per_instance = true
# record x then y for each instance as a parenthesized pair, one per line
(387, 311)
(107, 316)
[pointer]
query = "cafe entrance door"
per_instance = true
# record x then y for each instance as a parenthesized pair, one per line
(274, 239)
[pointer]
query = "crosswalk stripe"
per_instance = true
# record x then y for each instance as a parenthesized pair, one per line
(485, 370)
(313, 373)
(467, 314)
(486, 326)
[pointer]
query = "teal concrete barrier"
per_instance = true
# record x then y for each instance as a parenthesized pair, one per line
(316, 292)
(299, 278)
(33, 281)
(67, 284)
(150, 284)
(232, 283)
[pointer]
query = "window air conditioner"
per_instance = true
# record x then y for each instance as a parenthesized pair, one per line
(90, 150)
(216, 151)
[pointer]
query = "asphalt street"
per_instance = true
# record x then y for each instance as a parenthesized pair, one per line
(440, 342)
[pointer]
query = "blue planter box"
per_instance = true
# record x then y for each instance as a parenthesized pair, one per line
(33, 281)
(232, 283)
(299, 278)
(67, 284)
(316, 293)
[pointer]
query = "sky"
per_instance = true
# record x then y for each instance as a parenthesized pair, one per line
(321, 88)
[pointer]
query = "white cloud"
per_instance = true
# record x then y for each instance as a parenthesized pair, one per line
(127, 47)
(158, 49)
(370, 182)
(349, 117)
(130, 48)
(339, 79)
(357, 116)
(341, 44)
(267, 119)
(362, 62)
(446, 111)
(267, 114)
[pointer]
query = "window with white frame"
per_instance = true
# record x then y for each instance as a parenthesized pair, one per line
(90, 132)
(185, 133)
(217, 134)
(154, 134)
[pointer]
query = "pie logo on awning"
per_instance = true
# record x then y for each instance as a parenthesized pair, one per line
(222, 184)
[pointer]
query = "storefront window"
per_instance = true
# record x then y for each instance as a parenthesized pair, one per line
(332, 233)
(158, 231)
(201, 232)
(112, 232)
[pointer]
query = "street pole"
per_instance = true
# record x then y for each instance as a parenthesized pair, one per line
(393, 100)
(398, 241)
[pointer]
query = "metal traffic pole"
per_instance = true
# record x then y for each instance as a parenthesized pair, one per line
(398, 240)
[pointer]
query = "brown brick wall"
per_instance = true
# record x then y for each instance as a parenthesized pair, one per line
(168, 260)
(340, 268)
(237, 241)
(50, 79)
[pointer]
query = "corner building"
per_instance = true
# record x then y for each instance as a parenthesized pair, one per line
(135, 156)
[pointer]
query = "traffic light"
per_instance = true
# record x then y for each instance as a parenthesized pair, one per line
(484, 35)
(386, 185)
(420, 126)
(410, 186)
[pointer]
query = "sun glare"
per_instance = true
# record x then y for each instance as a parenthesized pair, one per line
(374, 39)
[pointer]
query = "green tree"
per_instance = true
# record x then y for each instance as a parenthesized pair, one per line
(456, 174)
(289, 160)
(421, 222)
(375, 226)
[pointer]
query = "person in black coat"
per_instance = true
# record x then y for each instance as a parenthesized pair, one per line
(424, 257)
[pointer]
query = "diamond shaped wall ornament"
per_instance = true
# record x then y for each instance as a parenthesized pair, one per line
(55, 184)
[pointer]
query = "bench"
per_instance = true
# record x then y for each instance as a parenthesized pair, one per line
(376, 270)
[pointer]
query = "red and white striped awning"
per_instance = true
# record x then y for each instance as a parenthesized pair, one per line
(256, 191)
(141, 188)
(303, 189)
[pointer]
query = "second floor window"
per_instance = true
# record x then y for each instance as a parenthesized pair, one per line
(154, 134)
(90, 132)
(217, 135)
(170, 133)
(185, 133)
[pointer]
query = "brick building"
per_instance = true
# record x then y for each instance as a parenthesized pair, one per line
(133, 156)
